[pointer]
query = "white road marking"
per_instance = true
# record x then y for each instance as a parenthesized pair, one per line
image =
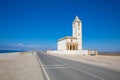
(52, 65)
(88, 73)
(93, 75)
(44, 70)
(57, 67)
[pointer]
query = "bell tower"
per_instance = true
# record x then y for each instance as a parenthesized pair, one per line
(77, 31)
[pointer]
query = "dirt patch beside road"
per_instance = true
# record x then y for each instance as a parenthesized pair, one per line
(19, 66)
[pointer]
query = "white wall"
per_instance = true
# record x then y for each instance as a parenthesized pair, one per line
(79, 37)
(71, 52)
(73, 40)
(62, 45)
(74, 32)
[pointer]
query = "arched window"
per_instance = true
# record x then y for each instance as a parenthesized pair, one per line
(78, 24)
(76, 47)
(70, 47)
(73, 47)
(71, 40)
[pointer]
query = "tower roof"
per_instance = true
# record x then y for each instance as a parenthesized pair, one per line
(77, 19)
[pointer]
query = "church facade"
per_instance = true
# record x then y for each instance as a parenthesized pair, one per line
(73, 42)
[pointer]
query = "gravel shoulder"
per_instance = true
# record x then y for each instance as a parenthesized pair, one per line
(19, 66)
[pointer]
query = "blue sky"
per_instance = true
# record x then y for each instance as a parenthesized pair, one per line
(40, 23)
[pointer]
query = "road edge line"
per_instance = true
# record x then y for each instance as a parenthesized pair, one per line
(43, 69)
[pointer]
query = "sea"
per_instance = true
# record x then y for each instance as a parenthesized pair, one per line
(10, 51)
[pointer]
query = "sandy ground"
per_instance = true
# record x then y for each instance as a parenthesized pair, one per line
(19, 66)
(112, 62)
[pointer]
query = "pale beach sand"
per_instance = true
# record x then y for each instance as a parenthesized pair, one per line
(19, 66)
(112, 62)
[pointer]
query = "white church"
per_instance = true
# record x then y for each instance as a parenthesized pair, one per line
(73, 44)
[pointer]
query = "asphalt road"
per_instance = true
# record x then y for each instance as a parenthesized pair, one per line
(63, 69)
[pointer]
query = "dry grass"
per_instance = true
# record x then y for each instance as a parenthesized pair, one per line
(109, 53)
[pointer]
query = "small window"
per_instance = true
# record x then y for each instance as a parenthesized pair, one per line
(71, 40)
(78, 24)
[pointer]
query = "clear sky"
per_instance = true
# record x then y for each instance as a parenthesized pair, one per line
(40, 23)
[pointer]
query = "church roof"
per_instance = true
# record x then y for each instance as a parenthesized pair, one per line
(77, 19)
(67, 37)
